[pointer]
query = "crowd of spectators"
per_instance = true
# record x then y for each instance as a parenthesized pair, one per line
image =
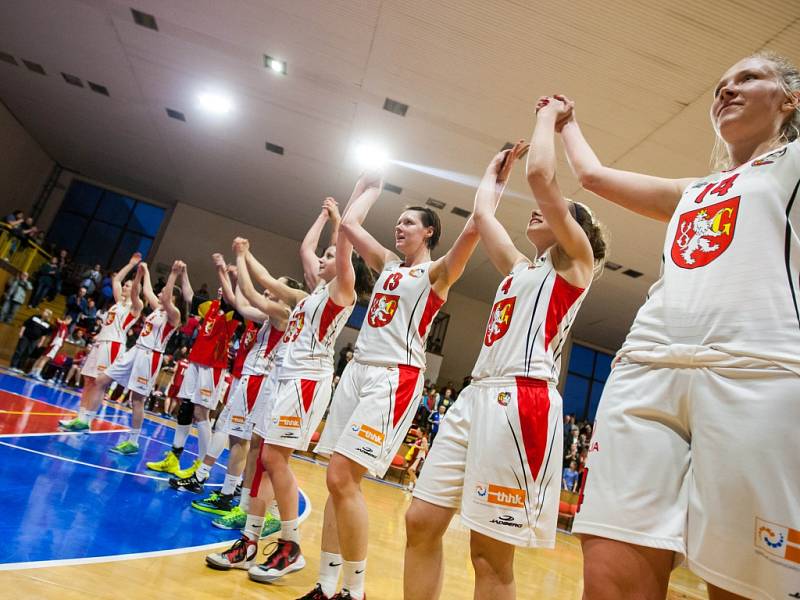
(577, 441)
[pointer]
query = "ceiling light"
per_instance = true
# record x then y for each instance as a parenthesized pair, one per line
(274, 64)
(215, 103)
(370, 156)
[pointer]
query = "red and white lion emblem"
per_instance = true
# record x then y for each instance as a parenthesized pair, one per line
(382, 309)
(499, 320)
(704, 234)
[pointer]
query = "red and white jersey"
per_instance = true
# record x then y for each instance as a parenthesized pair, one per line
(266, 351)
(399, 316)
(313, 327)
(118, 321)
(60, 335)
(246, 342)
(177, 375)
(156, 331)
(210, 349)
(533, 309)
(730, 280)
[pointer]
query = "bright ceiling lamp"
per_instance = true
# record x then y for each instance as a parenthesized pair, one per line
(215, 103)
(369, 155)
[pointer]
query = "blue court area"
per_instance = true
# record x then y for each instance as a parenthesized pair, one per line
(67, 498)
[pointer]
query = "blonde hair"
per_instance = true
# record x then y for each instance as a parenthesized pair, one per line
(789, 79)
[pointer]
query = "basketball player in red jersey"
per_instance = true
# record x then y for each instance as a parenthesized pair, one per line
(681, 465)
(107, 345)
(203, 381)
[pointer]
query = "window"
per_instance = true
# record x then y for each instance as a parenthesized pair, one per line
(96, 225)
(586, 376)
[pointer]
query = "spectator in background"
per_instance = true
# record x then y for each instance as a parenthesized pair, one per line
(63, 261)
(77, 304)
(343, 360)
(16, 291)
(200, 296)
(447, 399)
(95, 328)
(45, 281)
(91, 280)
(569, 480)
(32, 335)
(435, 419)
(78, 337)
(89, 315)
(106, 291)
(73, 377)
(572, 454)
(15, 219)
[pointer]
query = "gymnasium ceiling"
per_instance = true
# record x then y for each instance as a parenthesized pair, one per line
(641, 72)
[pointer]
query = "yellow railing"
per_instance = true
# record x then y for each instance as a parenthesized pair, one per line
(22, 254)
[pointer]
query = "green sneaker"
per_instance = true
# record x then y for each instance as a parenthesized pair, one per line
(188, 471)
(235, 519)
(125, 448)
(75, 425)
(216, 503)
(271, 525)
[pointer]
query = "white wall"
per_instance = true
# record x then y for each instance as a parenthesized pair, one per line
(24, 167)
(193, 234)
(464, 337)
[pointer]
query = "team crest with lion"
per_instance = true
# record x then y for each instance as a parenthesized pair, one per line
(704, 234)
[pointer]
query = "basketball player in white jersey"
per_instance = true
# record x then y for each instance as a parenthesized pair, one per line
(137, 369)
(695, 454)
(62, 329)
(497, 456)
(379, 390)
(107, 346)
(304, 388)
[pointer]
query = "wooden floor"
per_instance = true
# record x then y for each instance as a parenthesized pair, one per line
(541, 574)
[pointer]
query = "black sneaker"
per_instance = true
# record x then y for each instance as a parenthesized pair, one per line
(285, 558)
(345, 595)
(187, 484)
(315, 594)
(216, 503)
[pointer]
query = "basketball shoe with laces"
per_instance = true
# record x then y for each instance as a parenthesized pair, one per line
(187, 484)
(241, 555)
(285, 558)
(315, 594)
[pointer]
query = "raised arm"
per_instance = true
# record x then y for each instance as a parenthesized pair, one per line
(343, 286)
(259, 273)
(173, 314)
(147, 288)
(653, 197)
(136, 288)
(365, 194)
(116, 281)
(308, 249)
(224, 279)
(186, 286)
(273, 309)
(247, 310)
(498, 244)
(541, 173)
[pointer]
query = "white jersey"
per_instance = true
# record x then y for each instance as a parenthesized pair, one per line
(313, 327)
(399, 316)
(730, 270)
(261, 358)
(156, 331)
(532, 312)
(118, 321)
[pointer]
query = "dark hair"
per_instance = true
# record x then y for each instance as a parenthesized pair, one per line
(593, 230)
(365, 279)
(179, 302)
(429, 219)
(293, 283)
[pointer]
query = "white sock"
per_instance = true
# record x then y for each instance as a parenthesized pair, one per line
(229, 486)
(330, 565)
(244, 500)
(354, 575)
(203, 471)
(253, 525)
(217, 444)
(133, 436)
(181, 433)
(290, 531)
(203, 437)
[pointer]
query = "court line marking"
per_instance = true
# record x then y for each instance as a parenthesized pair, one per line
(66, 562)
(85, 464)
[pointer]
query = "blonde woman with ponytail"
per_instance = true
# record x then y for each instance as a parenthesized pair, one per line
(695, 454)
